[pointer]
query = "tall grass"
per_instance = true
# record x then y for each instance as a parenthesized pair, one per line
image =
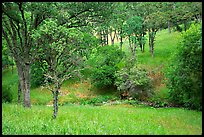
(101, 120)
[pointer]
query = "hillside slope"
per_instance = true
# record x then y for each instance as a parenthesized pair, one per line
(78, 91)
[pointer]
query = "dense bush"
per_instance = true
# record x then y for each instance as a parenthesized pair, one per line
(135, 81)
(6, 93)
(103, 65)
(185, 73)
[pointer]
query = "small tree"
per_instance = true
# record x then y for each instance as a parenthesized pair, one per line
(153, 23)
(59, 55)
(135, 32)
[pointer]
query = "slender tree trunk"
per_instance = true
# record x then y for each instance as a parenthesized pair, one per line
(121, 43)
(106, 38)
(130, 44)
(101, 37)
(55, 103)
(152, 49)
(143, 43)
(169, 27)
(152, 44)
(141, 47)
(149, 40)
(134, 50)
(121, 39)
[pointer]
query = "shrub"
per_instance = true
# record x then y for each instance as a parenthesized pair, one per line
(135, 81)
(6, 93)
(96, 100)
(185, 73)
(103, 65)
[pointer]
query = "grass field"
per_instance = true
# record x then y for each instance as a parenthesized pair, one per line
(76, 119)
(105, 120)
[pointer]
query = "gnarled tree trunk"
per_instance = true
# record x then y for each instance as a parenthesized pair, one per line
(24, 83)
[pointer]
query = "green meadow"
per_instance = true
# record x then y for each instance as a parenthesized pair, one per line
(76, 115)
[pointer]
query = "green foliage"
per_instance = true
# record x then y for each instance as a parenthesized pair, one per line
(103, 62)
(133, 25)
(135, 81)
(6, 55)
(37, 75)
(99, 100)
(103, 76)
(6, 93)
(185, 74)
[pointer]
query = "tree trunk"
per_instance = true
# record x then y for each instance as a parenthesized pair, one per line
(101, 37)
(24, 80)
(143, 43)
(121, 43)
(106, 38)
(141, 47)
(152, 44)
(134, 50)
(19, 92)
(26, 86)
(113, 37)
(55, 103)
(149, 41)
(121, 39)
(169, 27)
(152, 49)
(130, 44)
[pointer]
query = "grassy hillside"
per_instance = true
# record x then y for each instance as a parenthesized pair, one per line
(164, 48)
(75, 117)
(73, 91)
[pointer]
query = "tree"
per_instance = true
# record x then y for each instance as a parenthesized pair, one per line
(153, 23)
(60, 56)
(133, 29)
(63, 45)
(21, 18)
(142, 10)
(183, 13)
(18, 20)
